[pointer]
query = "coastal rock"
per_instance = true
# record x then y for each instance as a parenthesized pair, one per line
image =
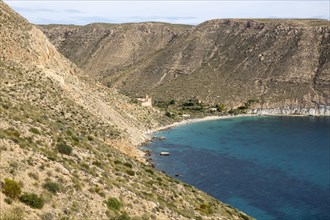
(318, 111)
(164, 153)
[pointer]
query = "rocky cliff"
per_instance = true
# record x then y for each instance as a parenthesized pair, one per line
(66, 142)
(277, 63)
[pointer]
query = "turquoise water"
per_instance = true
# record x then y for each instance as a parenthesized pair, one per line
(268, 167)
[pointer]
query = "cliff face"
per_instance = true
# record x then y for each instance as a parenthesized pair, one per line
(64, 140)
(279, 63)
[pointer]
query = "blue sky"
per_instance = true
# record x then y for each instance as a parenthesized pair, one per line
(184, 12)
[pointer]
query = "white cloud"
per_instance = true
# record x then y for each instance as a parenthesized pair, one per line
(190, 12)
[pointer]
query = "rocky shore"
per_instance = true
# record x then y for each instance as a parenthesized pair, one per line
(284, 111)
(318, 111)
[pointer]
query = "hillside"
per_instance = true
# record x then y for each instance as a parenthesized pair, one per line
(276, 63)
(67, 143)
(102, 49)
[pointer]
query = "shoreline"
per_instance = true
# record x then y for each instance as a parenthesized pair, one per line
(148, 135)
(212, 118)
(195, 120)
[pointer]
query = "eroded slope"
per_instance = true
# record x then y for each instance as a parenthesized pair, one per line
(61, 139)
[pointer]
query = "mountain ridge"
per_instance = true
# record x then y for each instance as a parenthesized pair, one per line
(277, 62)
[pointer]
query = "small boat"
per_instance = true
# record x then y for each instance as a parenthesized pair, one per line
(164, 153)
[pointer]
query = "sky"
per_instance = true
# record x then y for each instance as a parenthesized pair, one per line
(81, 12)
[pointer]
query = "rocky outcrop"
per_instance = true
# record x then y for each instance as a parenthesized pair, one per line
(319, 111)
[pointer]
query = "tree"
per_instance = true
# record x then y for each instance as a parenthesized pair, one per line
(220, 107)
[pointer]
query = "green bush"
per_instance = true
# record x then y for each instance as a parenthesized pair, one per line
(11, 188)
(35, 130)
(150, 171)
(189, 103)
(234, 111)
(117, 162)
(69, 132)
(220, 107)
(172, 102)
(75, 138)
(8, 200)
(243, 107)
(51, 187)
(130, 172)
(32, 200)
(170, 114)
(97, 163)
(128, 165)
(63, 148)
(205, 208)
(113, 203)
(12, 132)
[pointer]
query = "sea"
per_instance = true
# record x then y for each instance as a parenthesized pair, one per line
(269, 167)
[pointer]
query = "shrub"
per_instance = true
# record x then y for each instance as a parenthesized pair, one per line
(69, 132)
(97, 163)
(34, 176)
(189, 103)
(32, 200)
(150, 171)
(5, 106)
(170, 114)
(12, 132)
(63, 148)
(114, 203)
(117, 161)
(75, 138)
(130, 172)
(243, 107)
(205, 208)
(128, 165)
(8, 200)
(11, 188)
(220, 107)
(35, 130)
(51, 187)
(234, 111)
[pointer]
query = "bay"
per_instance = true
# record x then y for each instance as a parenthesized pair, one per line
(269, 167)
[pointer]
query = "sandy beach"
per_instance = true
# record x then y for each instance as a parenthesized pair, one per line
(194, 120)
(209, 118)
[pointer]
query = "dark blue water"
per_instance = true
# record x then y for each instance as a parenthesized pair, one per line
(268, 167)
